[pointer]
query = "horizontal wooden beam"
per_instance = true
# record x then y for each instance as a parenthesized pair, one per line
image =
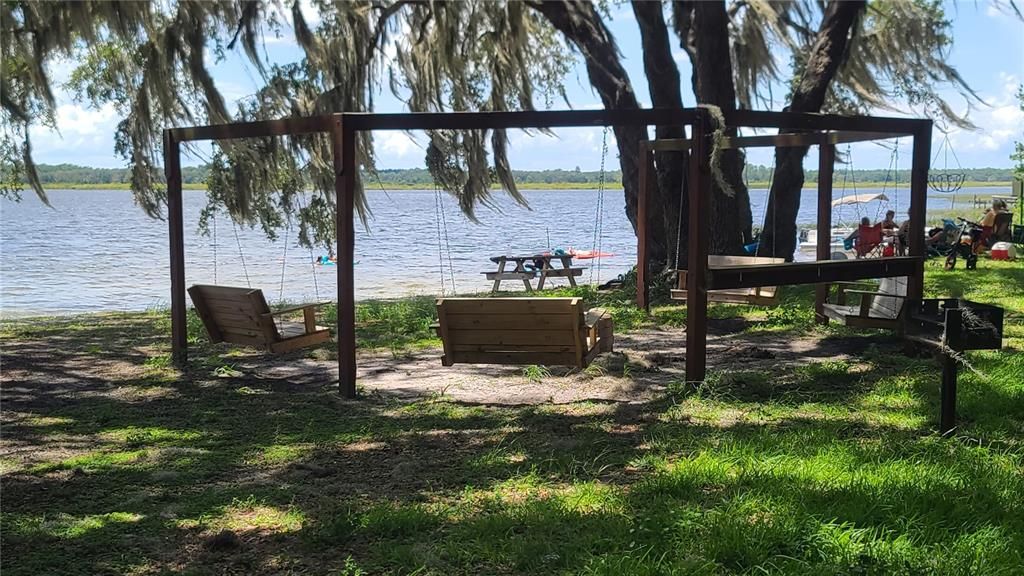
(777, 140)
(848, 128)
(807, 139)
(524, 119)
(667, 145)
(805, 121)
(791, 273)
(263, 128)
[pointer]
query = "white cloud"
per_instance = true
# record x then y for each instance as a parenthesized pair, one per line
(74, 121)
(999, 9)
(999, 124)
(392, 145)
(83, 136)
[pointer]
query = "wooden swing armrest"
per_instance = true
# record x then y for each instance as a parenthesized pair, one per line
(299, 308)
(844, 288)
(308, 314)
(866, 297)
(874, 293)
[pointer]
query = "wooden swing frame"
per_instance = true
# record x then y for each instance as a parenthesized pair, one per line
(824, 131)
(804, 130)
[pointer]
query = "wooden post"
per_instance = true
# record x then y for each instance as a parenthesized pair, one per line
(918, 204)
(176, 227)
(826, 165)
(696, 270)
(951, 343)
(947, 410)
(642, 288)
(343, 141)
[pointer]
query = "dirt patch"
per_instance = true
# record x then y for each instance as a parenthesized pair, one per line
(642, 366)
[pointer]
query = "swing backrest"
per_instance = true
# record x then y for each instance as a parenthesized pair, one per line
(889, 306)
(235, 315)
(545, 331)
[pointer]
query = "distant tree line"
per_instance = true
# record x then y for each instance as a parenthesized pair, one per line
(73, 174)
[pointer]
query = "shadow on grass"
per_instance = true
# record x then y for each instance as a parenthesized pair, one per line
(309, 482)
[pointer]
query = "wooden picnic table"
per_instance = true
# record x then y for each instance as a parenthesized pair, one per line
(529, 267)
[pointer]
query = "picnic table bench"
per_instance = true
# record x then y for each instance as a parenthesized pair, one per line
(535, 266)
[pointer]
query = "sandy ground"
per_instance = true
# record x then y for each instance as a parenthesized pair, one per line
(653, 358)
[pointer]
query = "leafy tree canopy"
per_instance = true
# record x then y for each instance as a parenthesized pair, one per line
(152, 62)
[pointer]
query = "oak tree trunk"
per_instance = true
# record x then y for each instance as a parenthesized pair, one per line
(664, 86)
(703, 27)
(582, 26)
(830, 48)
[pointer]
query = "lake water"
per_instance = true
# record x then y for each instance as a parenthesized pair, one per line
(95, 250)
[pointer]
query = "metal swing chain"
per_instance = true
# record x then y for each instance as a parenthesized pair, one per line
(437, 222)
(215, 263)
(896, 173)
(284, 260)
(679, 226)
(312, 258)
(442, 236)
(447, 244)
(775, 214)
(241, 254)
(599, 215)
(853, 179)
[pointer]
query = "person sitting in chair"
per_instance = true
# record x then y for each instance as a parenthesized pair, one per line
(865, 238)
(852, 238)
(988, 222)
(889, 223)
(903, 236)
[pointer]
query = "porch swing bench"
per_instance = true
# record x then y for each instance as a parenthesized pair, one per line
(242, 316)
(545, 331)
(757, 296)
(882, 308)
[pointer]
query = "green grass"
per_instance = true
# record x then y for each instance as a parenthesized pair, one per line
(831, 467)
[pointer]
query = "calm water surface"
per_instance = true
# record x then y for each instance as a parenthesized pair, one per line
(95, 250)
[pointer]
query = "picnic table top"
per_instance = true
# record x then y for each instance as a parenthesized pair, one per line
(532, 257)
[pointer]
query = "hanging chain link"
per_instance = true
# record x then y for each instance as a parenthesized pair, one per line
(216, 264)
(437, 222)
(241, 254)
(599, 214)
(284, 260)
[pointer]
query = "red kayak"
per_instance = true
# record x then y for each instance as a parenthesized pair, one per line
(588, 254)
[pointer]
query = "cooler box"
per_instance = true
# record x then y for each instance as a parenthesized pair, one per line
(1003, 251)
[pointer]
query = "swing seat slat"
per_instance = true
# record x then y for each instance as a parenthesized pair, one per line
(757, 296)
(242, 316)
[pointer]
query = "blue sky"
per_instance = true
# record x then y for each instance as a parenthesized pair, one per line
(988, 51)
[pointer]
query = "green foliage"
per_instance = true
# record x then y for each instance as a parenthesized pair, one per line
(789, 316)
(393, 324)
(535, 373)
(420, 178)
(75, 174)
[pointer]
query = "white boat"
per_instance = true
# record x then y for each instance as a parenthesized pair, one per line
(809, 242)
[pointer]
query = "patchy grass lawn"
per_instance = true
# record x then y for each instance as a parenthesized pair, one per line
(113, 461)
